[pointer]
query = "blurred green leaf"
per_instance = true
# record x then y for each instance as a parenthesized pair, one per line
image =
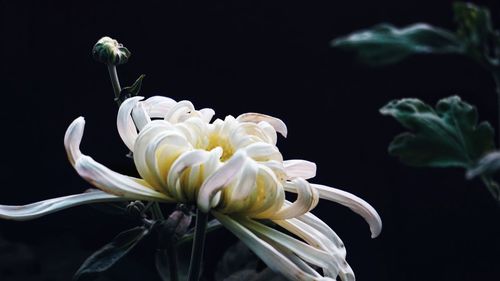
(386, 44)
(474, 23)
(447, 136)
(111, 253)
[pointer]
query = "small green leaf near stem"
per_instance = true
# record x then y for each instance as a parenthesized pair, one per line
(198, 245)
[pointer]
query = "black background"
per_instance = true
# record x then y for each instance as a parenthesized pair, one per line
(267, 56)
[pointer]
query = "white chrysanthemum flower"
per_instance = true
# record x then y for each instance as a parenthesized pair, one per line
(231, 168)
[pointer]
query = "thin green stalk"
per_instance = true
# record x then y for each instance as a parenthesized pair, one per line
(113, 75)
(156, 212)
(198, 245)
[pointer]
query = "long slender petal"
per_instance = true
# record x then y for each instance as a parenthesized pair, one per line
(316, 223)
(356, 204)
(45, 207)
(300, 169)
(102, 177)
(307, 199)
(125, 123)
(312, 236)
(218, 180)
(277, 124)
(310, 254)
(115, 183)
(72, 139)
(268, 254)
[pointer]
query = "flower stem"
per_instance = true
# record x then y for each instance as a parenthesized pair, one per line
(156, 212)
(198, 245)
(113, 75)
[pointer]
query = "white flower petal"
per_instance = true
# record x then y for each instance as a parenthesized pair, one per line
(307, 199)
(45, 207)
(158, 106)
(310, 254)
(313, 236)
(142, 142)
(277, 124)
(186, 160)
(115, 183)
(125, 123)
(261, 151)
(218, 180)
(313, 221)
(72, 139)
(176, 113)
(207, 114)
(245, 183)
(300, 169)
(140, 116)
(355, 203)
(268, 254)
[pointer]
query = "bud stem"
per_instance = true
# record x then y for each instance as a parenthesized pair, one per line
(113, 75)
(198, 245)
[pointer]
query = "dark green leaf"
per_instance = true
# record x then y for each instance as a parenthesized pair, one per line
(111, 253)
(474, 23)
(386, 44)
(133, 90)
(447, 136)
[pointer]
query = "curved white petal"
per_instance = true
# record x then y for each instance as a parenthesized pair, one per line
(125, 123)
(313, 236)
(261, 151)
(267, 253)
(45, 207)
(102, 177)
(115, 183)
(354, 203)
(308, 253)
(316, 223)
(307, 199)
(72, 139)
(300, 169)
(140, 116)
(207, 114)
(277, 124)
(179, 110)
(186, 160)
(158, 106)
(218, 180)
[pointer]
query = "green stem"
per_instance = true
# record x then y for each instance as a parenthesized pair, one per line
(198, 245)
(156, 212)
(113, 75)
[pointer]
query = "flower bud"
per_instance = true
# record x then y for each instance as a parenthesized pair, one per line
(110, 52)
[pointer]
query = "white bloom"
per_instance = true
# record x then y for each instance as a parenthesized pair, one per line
(231, 168)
